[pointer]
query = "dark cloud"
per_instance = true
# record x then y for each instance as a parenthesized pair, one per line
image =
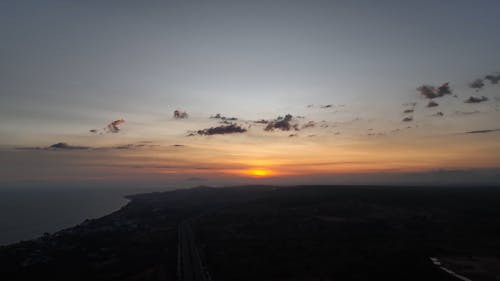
(432, 104)
(493, 78)
(482, 131)
(444, 89)
(129, 146)
(226, 122)
(261, 121)
(113, 126)
(408, 111)
(438, 114)
(477, 84)
(408, 119)
(56, 146)
(293, 135)
(63, 145)
(476, 99)
(427, 91)
(132, 146)
(432, 92)
(325, 106)
(282, 123)
(180, 114)
(223, 118)
(66, 146)
(178, 145)
(221, 130)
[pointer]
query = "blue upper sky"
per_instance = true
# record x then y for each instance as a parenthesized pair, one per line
(74, 63)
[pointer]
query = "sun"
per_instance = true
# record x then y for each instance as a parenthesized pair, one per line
(259, 173)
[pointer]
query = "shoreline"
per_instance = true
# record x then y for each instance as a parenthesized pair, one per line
(28, 229)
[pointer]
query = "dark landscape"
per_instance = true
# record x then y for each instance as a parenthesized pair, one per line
(276, 233)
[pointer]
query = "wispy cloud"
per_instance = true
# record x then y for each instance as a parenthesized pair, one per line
(493, 78)
(476, 99)
(410, 104)
(477, 84)
(66, 146)
(325, 106)
(464, 113)
(134, 146)
(195, 179)
(309, 124)
(482, 131)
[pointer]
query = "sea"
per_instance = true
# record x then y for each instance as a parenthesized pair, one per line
(29, 212)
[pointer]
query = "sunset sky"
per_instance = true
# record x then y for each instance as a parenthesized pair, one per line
(88, 91)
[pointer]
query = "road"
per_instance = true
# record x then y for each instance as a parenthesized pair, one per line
(190, 266)
(438, 263)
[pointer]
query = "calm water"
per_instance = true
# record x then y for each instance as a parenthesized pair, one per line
(27, 213)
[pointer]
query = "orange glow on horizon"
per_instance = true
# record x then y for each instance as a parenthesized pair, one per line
(274, 161)
(260, 173)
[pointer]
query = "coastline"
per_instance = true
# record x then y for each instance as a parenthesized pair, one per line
(23, 219)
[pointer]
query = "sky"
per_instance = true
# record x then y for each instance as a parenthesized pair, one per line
(320, 92)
